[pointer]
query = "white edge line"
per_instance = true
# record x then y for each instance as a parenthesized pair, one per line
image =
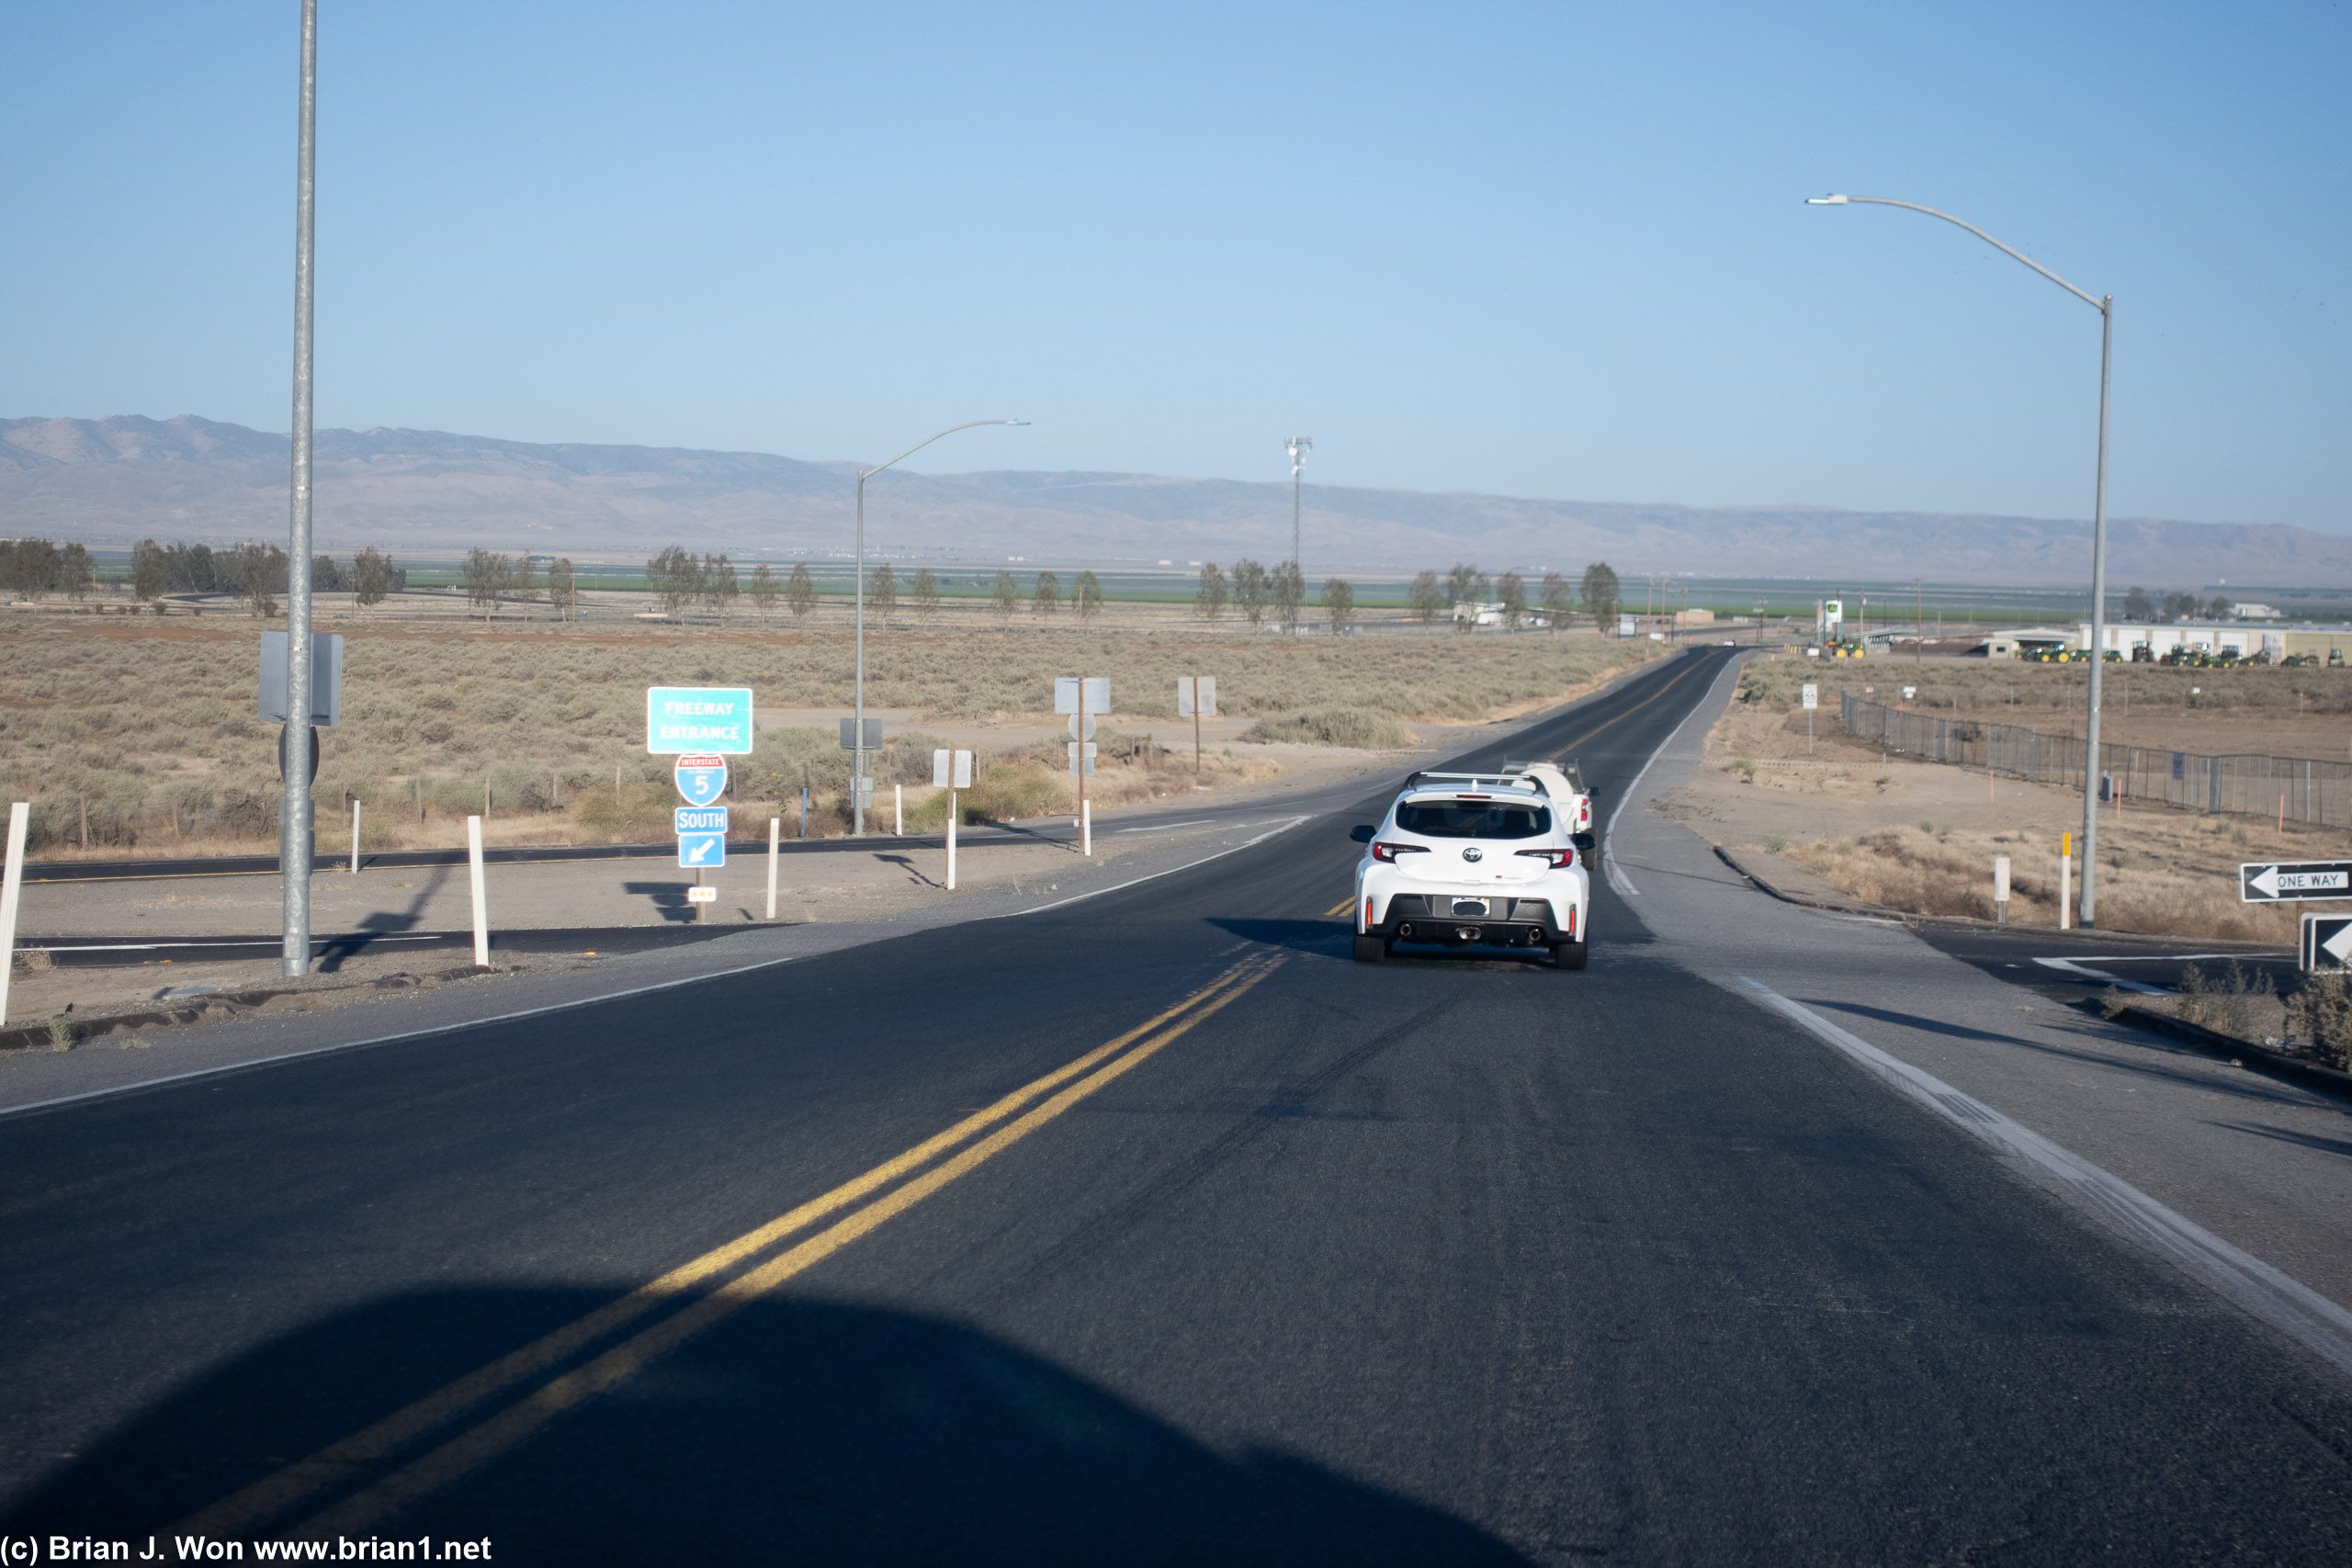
(1139, 881)
(2280, 1300)
(1608, 834)
(225, 1068)
(6, 1112)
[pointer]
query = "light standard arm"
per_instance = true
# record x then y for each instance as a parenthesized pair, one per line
(2106, 307)
(857, 734)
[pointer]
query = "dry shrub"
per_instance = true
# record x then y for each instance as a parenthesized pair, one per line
(2321, 1014)
(1950, 872)
(1352, 727)
(2229, 1002)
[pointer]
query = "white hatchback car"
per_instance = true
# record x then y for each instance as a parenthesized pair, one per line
(1469, 860)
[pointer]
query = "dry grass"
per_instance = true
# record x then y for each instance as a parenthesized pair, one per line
(2184, 889)
(141, 736)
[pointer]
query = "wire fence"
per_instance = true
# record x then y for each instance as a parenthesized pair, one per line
(2304, 789)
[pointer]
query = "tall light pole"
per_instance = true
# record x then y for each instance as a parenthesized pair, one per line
(1298, 447)
(2105, 306)
(294, 742)
(857, 753)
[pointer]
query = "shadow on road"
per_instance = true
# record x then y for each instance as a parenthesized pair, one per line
(817, 1433)
(668, 897)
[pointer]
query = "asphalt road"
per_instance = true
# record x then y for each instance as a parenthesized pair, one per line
(1146, 1229)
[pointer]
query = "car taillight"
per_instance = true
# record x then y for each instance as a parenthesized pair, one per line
(1558, 858)
(1388, 852)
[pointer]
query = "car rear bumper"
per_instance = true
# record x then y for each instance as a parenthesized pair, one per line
(1492, 919)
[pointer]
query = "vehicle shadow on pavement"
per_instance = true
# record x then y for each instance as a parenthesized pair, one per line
(1300, 936)
(817, 1432)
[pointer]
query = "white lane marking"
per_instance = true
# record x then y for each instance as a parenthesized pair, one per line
(1608, 834)
(2284, 1303)
(1169, 827)
(1139, 881)
(2075, 966)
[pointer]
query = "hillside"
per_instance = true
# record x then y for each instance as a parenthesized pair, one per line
(110, 482)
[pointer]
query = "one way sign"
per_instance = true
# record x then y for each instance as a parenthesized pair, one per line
(2269, 882)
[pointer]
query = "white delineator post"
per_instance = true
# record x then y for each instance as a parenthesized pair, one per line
(775, 833)
(481, 903)
(2065, 876)
(11, 884)
(355, 837)
(2000, 890)
(898, 811)
(1085, 827)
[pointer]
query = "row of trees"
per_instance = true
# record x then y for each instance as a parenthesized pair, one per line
(37, 568)
(1258, 591)
(253, 572)
(2141, 605)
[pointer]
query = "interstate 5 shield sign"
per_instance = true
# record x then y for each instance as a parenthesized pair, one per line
(702, 777)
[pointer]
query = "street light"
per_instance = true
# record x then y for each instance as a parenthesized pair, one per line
(1297, 446)
(2105, 309)
(857, 753)
(294, 816)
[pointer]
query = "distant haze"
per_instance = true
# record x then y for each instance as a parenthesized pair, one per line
(110, 482)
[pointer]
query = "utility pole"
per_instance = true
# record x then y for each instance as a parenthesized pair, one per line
(294, 749)
(1298, 447)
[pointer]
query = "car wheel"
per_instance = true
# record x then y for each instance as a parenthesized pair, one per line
(1370, 949)
(1568, 954)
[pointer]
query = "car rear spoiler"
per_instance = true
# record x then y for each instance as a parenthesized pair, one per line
(1480, 780)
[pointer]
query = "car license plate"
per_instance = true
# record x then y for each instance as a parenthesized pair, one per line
(1476, 907)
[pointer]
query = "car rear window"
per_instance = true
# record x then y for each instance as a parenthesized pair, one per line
(1473, 819)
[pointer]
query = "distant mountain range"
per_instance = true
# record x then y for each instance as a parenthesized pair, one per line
(111, 481)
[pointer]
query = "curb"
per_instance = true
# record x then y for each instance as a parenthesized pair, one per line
(2212, 1043)
(224, 1004)
(1966, 922)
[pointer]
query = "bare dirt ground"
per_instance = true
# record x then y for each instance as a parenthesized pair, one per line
(1921, 836)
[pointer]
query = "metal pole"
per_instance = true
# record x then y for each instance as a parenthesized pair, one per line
(857, 734)
(2098, 627)
(294, 821)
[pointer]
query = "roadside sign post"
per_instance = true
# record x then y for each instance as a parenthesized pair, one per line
(2000, 890)
(481, 896)
(951, 771)
(860, 738)
(1082, 696)
(2274, 881)
(1812, 701)
(11, 886)
(701, 727)
(1196, 700)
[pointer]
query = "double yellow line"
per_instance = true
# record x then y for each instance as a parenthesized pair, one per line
(701, 1289)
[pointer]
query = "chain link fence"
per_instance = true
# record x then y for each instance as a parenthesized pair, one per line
(2304, 789)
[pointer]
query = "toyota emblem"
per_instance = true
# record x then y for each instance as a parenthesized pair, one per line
(1473, 854)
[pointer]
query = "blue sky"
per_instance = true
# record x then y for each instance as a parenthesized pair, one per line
(1554, 249)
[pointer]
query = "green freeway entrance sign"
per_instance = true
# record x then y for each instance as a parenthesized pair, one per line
(699, 718)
